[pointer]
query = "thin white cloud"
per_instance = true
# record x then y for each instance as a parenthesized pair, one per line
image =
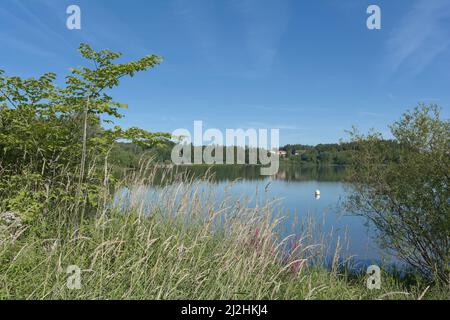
(285, 109)
(37, 22)
(265, 23)
(371, 114)
(251, 51)
(199, 21)
(420, 36)
(27, 47)
(46, 26)
(265, 125)
(16, 17)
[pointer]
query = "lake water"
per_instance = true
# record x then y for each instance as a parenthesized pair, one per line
(295, 188)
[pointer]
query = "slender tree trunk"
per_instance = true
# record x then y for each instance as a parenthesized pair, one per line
(84, 147)
(82, 166)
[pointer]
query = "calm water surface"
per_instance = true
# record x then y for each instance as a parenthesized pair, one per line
(295, 188)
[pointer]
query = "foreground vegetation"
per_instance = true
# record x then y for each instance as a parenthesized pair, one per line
(161, 248)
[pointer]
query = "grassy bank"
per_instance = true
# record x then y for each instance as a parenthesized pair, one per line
(175, 242)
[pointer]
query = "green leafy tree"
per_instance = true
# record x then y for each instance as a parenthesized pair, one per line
(52, 142)
(408, 200)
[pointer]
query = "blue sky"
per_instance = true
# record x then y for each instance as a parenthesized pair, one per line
(309, 68)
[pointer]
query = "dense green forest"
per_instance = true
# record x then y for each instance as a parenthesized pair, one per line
(128, 155)
(335, 153)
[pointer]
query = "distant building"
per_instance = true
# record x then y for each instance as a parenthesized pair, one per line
(280, 153)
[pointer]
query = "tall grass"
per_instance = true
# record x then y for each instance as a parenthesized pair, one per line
(175, 239)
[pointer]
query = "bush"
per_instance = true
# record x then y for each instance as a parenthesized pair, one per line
(408, 200)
